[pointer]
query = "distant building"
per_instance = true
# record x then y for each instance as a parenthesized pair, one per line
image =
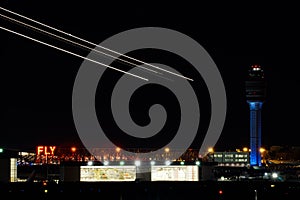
(8, 165)
(231, 158)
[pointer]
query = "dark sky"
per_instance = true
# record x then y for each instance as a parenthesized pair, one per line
(37, 81)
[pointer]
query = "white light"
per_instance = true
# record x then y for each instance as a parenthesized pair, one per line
(106, 162)
(90, 163)
(152, 162)
(137, 163)
(167, 162)
(198, 162)
(274, 175)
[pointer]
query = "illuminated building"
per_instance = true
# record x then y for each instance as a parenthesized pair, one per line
(231, 158)
(255, 95)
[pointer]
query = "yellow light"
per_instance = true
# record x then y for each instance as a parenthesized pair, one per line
(167, 150)
(261, 150)
(118, 149)
(245, 149)
(210, 150)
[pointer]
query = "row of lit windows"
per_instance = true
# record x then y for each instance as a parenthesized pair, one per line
(218, 155)
(13, 170)
(236, 160)
(231, 155)
(241, 155)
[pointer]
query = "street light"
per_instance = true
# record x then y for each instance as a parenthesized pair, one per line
(73, 149)
(262, 152)
(118, 149)
(210, 155)
(245, 149)
(167, 149)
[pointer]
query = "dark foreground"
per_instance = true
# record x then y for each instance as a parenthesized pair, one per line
(206, 190)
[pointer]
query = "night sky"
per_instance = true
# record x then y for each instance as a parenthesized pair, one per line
(37, 81)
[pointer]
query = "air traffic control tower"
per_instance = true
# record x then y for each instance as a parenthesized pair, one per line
(255, 95)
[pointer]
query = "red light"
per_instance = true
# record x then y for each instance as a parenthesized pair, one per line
(255, 66)
(220, 192)
(45, 150)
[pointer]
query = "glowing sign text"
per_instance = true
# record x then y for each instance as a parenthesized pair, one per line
(45, 150)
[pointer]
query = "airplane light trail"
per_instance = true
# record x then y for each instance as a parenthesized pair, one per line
(83, 40)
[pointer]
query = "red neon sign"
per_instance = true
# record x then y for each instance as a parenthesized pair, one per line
(45, 150)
